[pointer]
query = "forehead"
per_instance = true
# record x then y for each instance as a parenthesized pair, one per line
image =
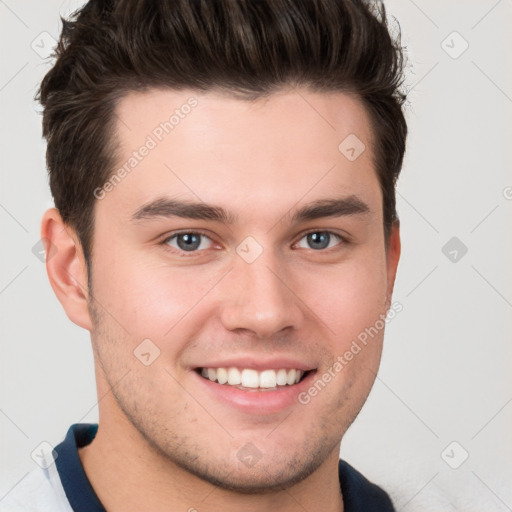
(279, 149)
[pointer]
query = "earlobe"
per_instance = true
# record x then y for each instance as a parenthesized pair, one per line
(66, 268)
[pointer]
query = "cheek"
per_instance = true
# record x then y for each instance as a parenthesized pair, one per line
(348, 297)
(149, 299)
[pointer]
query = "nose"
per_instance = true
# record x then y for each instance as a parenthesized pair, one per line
(258, 297)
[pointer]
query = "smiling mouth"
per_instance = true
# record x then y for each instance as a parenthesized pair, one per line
(248, 379)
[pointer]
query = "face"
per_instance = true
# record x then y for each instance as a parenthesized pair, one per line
(243, 245)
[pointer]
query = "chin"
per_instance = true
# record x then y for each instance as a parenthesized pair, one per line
(265, 472)
(259, 479)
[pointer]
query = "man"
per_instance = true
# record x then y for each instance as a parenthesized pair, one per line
(225, 227)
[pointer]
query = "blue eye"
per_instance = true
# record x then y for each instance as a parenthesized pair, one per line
(194, 241)
(319, 240)
(187, 241)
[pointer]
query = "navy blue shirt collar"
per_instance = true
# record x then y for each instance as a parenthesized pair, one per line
(78, 489)
(359, 495)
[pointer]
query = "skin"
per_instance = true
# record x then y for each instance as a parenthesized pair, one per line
(162, 443)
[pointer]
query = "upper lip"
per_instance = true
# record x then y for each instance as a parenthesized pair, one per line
(257, 363)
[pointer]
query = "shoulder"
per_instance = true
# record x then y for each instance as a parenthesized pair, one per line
(361, 494)
(38, 491)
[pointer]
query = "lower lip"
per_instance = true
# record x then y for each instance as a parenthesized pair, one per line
(254, 401)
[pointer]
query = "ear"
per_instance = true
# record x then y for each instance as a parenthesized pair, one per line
(66, 268)
(392, 257)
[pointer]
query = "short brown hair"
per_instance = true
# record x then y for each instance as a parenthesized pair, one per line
(249, 48)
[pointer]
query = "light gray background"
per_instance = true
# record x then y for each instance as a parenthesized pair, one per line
(445, 373)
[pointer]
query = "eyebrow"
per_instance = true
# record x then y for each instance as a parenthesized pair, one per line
(166, 207)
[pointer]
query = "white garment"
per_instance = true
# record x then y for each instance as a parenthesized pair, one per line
(40, 490)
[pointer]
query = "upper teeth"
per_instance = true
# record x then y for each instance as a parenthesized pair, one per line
(250, 378)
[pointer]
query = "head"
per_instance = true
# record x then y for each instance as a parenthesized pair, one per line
(224, 181)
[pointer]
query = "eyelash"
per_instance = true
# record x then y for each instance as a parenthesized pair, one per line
(185, 254)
